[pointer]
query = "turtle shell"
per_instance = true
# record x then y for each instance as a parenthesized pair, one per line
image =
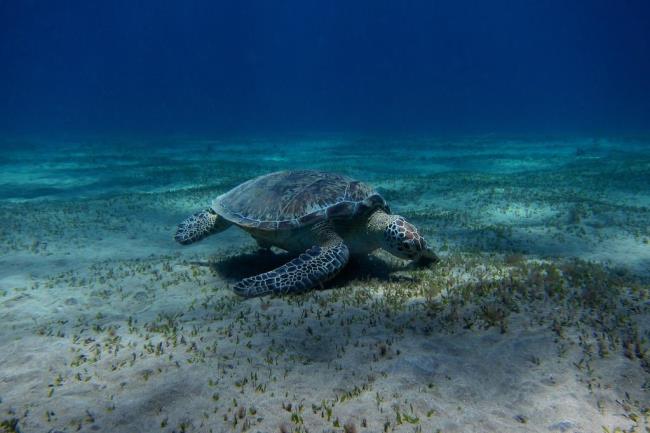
(288, 200)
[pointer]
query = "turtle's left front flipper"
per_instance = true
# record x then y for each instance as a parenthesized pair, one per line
(311, 269)
(200, 225)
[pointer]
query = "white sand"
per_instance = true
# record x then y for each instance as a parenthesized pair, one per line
(107, 325)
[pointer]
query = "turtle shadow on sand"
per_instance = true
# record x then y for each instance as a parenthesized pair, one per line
(360, 267)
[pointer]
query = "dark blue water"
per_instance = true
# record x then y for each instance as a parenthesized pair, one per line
(278, 67)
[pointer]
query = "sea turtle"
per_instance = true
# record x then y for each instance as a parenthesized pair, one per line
(323, 217)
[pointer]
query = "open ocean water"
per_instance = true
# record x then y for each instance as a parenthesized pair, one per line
(513, 135)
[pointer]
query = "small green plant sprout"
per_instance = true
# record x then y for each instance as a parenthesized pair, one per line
(349, 427)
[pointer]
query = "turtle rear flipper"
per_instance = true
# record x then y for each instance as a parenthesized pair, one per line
(200, 225)
(312, 268)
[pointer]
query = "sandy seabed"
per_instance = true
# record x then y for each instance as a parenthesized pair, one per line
(537, 318)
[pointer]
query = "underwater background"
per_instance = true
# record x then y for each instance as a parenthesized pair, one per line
(287, 67)
(513, 134)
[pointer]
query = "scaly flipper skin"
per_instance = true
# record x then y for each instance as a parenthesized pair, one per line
(312, 268)
(200, 225)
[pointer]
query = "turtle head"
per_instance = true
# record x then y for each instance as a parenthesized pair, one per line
(402, 239)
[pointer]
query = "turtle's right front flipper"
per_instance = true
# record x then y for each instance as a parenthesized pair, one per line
(198, 226)
(312, 268)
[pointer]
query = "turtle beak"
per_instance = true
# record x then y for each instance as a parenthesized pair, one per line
(428, 257)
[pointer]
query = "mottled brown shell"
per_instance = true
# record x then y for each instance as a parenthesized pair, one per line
(287, 200)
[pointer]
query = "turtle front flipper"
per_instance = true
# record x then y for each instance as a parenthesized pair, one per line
(311, 269)
(199, 225)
